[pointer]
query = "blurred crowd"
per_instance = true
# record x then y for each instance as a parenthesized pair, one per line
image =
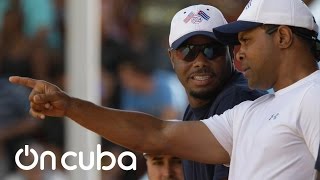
(136, 71)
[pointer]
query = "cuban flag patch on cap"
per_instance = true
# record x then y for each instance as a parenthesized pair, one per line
(204, 15)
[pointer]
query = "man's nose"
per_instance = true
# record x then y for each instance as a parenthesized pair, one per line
(169, 173)
(240, 55)
(201, 60)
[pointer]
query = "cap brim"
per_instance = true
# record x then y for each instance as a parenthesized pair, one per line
(182, 39)
(228, 34)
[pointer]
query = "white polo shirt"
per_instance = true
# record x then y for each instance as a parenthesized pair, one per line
(274, 137)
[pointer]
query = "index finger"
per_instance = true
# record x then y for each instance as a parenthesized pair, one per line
(25, 81)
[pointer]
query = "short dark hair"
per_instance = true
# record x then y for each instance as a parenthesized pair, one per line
(308, 36)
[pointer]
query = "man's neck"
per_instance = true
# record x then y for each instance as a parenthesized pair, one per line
(293, 73)
(198, 103)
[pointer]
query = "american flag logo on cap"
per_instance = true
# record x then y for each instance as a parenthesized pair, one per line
(192, 15)
(187, 19)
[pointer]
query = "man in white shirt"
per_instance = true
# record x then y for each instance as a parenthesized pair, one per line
(274, 137)
(284, 124)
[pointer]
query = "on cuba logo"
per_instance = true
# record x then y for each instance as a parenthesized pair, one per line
(92, 157)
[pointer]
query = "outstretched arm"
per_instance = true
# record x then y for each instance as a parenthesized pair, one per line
(134, 130)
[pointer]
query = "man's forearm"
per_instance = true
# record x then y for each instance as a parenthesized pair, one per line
(122, 127)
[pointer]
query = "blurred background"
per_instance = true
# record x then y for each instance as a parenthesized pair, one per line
(136, 73)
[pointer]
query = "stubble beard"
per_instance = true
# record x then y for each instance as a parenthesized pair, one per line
(204, 94)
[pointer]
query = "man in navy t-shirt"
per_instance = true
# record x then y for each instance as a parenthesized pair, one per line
(205, 68)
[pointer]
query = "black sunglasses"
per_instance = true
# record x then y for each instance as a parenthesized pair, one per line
(189, 52)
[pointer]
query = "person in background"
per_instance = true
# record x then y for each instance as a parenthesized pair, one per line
(164, 167)
(150, 90)
(16, 125)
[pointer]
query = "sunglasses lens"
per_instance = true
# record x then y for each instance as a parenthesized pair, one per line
(187, 53)
(209, 52)
(190, 52)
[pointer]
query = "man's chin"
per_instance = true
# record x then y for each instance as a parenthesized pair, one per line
(203, 95)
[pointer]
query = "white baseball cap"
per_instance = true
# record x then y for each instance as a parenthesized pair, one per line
(194, 20)
(278, 12)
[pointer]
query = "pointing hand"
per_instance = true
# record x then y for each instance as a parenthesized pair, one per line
(45, 98)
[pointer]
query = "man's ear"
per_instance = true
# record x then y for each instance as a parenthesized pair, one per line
(171, 58)
(285, 38)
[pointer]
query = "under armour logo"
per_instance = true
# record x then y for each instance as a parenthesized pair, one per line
(274, 116)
